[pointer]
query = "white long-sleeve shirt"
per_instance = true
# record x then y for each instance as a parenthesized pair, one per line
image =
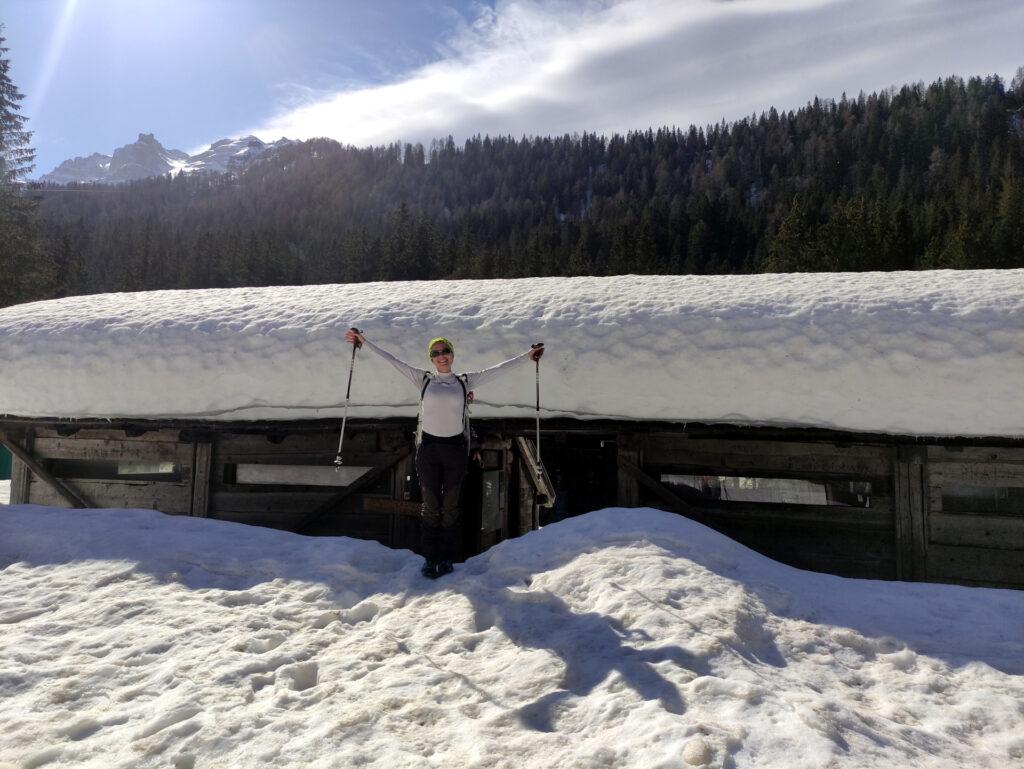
(442, 412)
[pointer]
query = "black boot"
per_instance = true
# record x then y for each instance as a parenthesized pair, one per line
(430, 569)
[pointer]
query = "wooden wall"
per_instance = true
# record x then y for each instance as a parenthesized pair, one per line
(382, 504)
(289, 506)
(975, 515)
(173, 497)
(856, 542)
(937, 513)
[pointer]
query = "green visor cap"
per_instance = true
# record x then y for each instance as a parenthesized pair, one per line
(437, 339)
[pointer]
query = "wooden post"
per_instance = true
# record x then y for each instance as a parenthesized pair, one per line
(21, 475)
(911, 516)
(202, 462)
(71, 496)
(525, 495)
(629, 452)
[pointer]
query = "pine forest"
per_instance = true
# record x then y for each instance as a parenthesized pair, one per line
(918, 177)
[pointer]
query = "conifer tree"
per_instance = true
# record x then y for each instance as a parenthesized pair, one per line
(24, 273)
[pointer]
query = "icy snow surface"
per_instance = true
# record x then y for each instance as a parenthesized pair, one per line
(929, 353)
(623, 638)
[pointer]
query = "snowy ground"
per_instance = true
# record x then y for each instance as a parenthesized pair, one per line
(623, 638)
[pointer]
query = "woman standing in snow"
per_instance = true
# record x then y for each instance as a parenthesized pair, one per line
(442, 440)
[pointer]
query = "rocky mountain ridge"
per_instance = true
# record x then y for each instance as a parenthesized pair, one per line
(147, 157)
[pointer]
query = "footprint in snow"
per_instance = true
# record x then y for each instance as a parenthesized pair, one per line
(167, 720)
(300, 676)
(262, 644)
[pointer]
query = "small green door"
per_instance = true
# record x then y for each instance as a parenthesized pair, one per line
(5, 464)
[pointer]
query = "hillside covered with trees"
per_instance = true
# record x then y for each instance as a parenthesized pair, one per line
(911, 178)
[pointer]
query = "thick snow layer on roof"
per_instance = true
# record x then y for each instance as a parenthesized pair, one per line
(624, 638)
(932, 353)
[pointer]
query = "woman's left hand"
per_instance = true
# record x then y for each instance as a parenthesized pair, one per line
(536, 351)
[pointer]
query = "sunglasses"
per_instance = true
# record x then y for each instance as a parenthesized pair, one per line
(443, 351)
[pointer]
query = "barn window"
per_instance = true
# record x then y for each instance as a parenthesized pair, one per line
(302, 475)
(115, 470)
(785, 491)
(966, 498)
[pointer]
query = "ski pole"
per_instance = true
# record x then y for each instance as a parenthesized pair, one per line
(537, 361)
(348, 392)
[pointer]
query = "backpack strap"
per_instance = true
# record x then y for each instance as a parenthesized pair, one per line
(463, 380)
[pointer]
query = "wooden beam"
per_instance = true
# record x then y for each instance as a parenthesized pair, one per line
(537, 473)
(202, 465)
(909, 470)
(629, 454)
(328, 507)
(673, 500)
(70, 495)
(20, 474)
(393, 506)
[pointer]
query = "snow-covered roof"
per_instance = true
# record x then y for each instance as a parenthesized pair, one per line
(925, 353)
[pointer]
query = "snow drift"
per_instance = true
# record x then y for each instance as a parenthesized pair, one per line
(623, 638)
(926, 353)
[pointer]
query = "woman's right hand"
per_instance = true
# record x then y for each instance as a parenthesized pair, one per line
(355, 336)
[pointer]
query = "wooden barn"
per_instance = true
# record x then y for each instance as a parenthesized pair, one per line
(852, 499)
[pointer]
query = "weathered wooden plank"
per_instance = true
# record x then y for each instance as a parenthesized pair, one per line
(1001, 533)
(975, 474)
(293, 502)
(854, 568)
(351, 524)
(63, 491)
(128, 450)
(163, 435)
(152, 495)
(663, 442)
(630, 455)
(322, 459)
(243, 445)
(526, 508)
(974, 454)
(910, 513)
(826, 515)
(860, 554)
(978, 564)
(543, 489)
(806, 515)
(364, 481)
(299, 475)
(811, 467)
(395, 506)
(202, 466)
(21, 475)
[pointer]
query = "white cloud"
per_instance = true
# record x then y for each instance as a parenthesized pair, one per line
(538, 68)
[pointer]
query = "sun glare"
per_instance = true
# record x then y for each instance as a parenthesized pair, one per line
(53, 55)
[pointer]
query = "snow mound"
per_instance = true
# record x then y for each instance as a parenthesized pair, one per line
(623, 638)
(924, 353)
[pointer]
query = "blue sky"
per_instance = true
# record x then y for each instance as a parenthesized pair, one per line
(98, 72)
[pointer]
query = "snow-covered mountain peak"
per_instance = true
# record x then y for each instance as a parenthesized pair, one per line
(147, 157)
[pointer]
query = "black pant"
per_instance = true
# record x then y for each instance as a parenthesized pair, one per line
(441, 467)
